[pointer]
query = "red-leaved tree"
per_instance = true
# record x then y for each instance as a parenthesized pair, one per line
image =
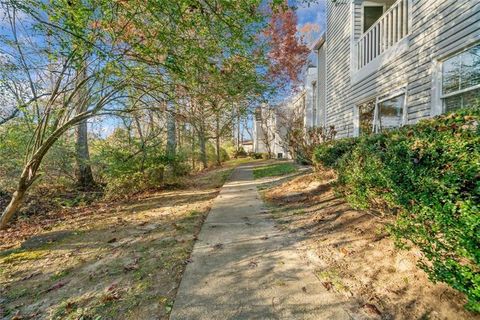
(288, 52)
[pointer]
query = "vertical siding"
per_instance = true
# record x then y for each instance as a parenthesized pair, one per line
(339, 113)
(439, 27)
(311, 76)
(321, 85)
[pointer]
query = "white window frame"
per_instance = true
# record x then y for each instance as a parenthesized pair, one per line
(437, 96)
(379, 99)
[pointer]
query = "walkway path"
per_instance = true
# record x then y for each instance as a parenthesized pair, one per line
(244, 268)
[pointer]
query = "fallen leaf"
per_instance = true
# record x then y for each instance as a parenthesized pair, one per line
(253, 264)
(328, 285)
(371, 308)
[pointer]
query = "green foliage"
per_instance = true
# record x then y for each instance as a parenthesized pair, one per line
(255, 155)
(329, 153)
(14, 141)
(429, 176)
(126, 165)
(230, 148)
(212, 154)
(240, 153)
(273, 170)
(303, 145)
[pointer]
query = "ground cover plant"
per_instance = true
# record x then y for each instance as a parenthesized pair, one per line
(427, 175)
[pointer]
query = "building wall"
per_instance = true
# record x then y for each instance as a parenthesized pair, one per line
(276, 131)
(310, 78)
(439, 27)
(321, 84)
(338, 111)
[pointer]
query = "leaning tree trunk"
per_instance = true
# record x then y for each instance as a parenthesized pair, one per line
(29, 173)
(27, 177)
(12, 207)
(83, 171)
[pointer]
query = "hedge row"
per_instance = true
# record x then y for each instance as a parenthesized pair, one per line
(429, 176)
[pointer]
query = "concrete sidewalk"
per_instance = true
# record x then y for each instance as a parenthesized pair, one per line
(244, 268)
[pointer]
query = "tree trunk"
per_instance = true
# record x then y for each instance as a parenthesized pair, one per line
(193, 150)
(171, 135)
(238, 133)
(203, 149)
(217, 141)
(83, 170)
(12, 207)
(219, 157)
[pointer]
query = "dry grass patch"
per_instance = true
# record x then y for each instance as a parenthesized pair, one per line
(108, 261)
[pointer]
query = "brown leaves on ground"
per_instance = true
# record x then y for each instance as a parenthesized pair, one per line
(355, 257)
(112, 260)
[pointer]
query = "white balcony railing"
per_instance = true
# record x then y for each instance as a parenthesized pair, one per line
(392, 27)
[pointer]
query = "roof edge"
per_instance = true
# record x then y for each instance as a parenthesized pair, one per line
(319, 43)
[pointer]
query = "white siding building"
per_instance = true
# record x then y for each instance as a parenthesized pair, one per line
(311, 95)
(269, 133)
(388, 63)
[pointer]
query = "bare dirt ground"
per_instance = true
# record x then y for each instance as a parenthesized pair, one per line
(353, 255)
(105, 261)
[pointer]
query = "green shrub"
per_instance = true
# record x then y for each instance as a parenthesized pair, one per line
(255, 155)
(429, 176)
(212, 154)
(329, 153)
(240, 153)
(126, 166)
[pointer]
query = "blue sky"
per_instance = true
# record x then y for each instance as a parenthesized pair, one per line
(313, 13)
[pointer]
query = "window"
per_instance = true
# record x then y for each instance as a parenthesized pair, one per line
(370, 15)
(366, 113)
(461, 79)
(389, 113)
(381, 114)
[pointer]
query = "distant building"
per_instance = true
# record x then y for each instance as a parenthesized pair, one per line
(247, 145)
(268, 133)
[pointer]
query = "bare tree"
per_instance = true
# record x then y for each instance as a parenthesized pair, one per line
(60, 98)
